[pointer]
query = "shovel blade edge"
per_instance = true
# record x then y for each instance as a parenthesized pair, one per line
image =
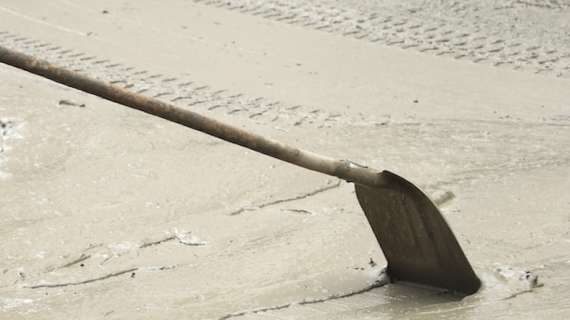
(415, 238)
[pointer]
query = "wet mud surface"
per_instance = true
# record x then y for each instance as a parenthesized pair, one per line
(108, 213)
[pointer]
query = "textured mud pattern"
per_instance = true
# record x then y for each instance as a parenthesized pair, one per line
(497, 144)
(503, 34)
(182, 91)
(9, 129)
(546, 4)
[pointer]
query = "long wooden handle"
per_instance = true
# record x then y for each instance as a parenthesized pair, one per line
(343, 169)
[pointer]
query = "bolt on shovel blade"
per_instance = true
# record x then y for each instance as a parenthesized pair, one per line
(415, 238)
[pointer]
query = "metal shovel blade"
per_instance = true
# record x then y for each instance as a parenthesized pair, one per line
(415, 238)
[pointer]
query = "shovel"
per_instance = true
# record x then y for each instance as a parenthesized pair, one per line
(416, 240)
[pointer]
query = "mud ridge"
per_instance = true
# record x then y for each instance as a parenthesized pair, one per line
(67, 284)
(157, 242)
(380, 283)
(290, 199)
(81, 258)
(516, 294)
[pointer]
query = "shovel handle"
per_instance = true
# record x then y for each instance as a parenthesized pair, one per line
(342, 169)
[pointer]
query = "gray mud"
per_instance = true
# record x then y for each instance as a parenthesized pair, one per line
(106, 212)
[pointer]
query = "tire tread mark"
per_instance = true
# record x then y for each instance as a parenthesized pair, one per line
(438, 38)
(181, 89)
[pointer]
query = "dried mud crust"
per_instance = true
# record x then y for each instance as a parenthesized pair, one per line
(523, 34)
(182, 91)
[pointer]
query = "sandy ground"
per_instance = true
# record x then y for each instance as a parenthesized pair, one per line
(109, 213)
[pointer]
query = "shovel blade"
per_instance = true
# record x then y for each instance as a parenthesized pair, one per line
(415, 238)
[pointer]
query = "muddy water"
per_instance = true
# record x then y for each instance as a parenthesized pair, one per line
(108, 213)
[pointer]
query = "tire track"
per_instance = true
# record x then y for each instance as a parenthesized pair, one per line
(182, 91)
(549, 4)
(446, 34)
